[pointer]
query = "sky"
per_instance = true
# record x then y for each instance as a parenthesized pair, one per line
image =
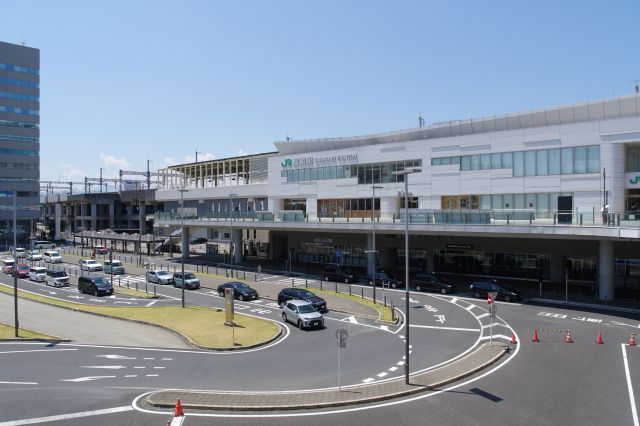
(126, 82)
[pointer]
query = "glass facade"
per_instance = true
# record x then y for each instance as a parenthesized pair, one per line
(348, 207)
(366, 173)
(542, 162)
(540, 202)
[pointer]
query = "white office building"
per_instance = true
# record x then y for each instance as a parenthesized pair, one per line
(542, 193)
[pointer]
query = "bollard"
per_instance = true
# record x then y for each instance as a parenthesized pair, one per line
(119, 285)
(136, 285)
(255, 277)
(349, 289)
(207, 269)
(293, 283)
(393, 312)
(336, 283)
(127, 283)
(362, 292)
(154, 291)
(306, 283)
(320, 285)
(145, 288)
(216, 269)
(385, 301)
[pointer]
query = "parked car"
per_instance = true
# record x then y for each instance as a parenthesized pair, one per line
(38, 273)
(57, 278)
(287, 294)
(159, 276)
(482, 288)
(434, 282)
(44, 245)
(200, 240)
(52, 256)
(95, 285)
(21, 271)
(113, 266)
(20, 252)
(302, 313)
(100, 249)
(90, 265)
(189, 280)
(382, 278)
(7, 265)
(241, 291)
(338, 274)
(34, 255)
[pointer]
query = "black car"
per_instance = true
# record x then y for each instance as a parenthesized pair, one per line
(382, 278)
(482, 288)
(287, 294)
(241, 291)
(95, 285)
(338, 274)
(433, 281)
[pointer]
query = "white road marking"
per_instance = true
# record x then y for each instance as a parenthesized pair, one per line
(67, 416)
(632, 400)
(369, 380)
(497, 336)
(18, 383)
(140, 367)
(114, 357)
(152, 375)
(453, 300)
(130, 375)
(151, 303)
(352, 319)
(74, 297)
(381, 375)
(470, 307)
(125, 303)
(87, 379)
(486, 314)
(148, 358)
(36, 350)
(434, 327)
(107, 367)
(159, 368)
(393, 368)
(167, 359)
(400, 363)
(384, 327)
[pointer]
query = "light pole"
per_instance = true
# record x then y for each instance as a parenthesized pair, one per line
(15, 264)
(406, 172)
(182, 191)
(231, 248)
(373, 250)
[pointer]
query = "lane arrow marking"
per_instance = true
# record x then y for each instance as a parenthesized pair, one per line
(87, 379)
(109, 367)
(352, 319)
(114, 357)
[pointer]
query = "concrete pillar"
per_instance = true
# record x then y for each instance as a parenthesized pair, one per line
(58, 213)
(606, 263)
(312, 207)
(94, 217)
(142, 214)
(129, 215)
(389, 206)
(112, 215)
(237, 246)
(557, 267)
(371, 256)
(184, 242)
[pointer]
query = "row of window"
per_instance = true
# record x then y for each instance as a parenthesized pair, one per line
(543, 201)
(23, 166)
(19, 96)
(16, 110)
(19, 68)
(19, 138)
(366, 173)
(19, 83)
(21, 124)
(24, 152)
(542, 162)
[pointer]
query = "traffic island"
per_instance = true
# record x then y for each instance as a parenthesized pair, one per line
(7, 334)
(484, 356)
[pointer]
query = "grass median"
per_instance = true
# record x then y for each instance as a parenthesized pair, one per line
(8, 332)
(384, 313)
(201, 325)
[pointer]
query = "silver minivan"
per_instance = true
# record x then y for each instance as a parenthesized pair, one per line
(52, 256)
(38, 273)
(57, 278)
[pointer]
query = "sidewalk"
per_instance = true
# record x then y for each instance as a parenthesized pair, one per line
(484, 356)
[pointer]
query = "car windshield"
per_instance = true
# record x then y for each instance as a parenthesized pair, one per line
(306, 309)
(8, 262)
(189, 276)
(307, 294)
(59, 274)
(55, 254)
(23, 267)
(162, 273)
(91, 262)
(116, 263)
(240, 285)
(102, 282)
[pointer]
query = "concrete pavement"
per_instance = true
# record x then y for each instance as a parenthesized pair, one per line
(86, 328)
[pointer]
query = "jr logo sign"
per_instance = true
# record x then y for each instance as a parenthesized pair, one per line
(288, 162)
(635, 180)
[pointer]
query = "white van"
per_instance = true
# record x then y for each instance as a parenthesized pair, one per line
(52, 256)
(38, 273)
(43, 245)
(57, 278)
(21, 252)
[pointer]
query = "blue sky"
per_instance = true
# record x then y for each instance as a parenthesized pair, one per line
(123, 82)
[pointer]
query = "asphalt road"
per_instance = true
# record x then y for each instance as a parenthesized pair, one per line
(549, 382)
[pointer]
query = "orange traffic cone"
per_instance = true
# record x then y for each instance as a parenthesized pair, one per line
(513, 338)
(568, 338)
(599, 339)
(535, 336)
(632, 340)
(178, 412)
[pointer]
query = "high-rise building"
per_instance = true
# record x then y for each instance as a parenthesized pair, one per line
(19, 138)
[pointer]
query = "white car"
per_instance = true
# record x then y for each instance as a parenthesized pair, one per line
(90, 265)
(159, 276)
(302, 313)
(38, 273)
(34, 255)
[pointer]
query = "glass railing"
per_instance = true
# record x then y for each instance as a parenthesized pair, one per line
(589, 217)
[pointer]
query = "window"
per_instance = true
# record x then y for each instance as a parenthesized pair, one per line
(567, 161)
(485, 161)
(475, 162)
(580, 160)
(436, 161)
(496, 161)
(542, 162)
(507, 160)
(530, 163)
(465, 163)
(593, 162)
(518, 164)
(554, 161)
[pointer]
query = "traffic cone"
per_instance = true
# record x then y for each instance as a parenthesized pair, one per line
(178, 412)
(568, 338)
(513, 338)
(599, 339)
(535, 336)
(632, 340)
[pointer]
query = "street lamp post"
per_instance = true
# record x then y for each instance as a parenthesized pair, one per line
(15, 264)
(231, 247)
(182, 191)
(406, 172)
(374, 251)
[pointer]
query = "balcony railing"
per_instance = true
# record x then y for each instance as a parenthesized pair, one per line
(586, 218)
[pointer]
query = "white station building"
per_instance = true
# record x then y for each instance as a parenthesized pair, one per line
(545, 194)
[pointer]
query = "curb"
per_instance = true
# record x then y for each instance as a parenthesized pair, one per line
(397, 394)
(36, 340)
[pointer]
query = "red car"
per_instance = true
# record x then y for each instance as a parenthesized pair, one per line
(101, 250)
(22, 271)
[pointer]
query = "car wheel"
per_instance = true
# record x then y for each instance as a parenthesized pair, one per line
(241, 297)
(443, 291)
(476, 295)
(95, 293)
(507, 299)
(418, 288)
(300, 324)
(175, 285)
(220, 293)
(284, 317)
(394, 285)
(370, 282)
(326, 278)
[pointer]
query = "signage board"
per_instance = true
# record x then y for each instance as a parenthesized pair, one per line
(341, 335)
(460, 246)
(228, 306)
